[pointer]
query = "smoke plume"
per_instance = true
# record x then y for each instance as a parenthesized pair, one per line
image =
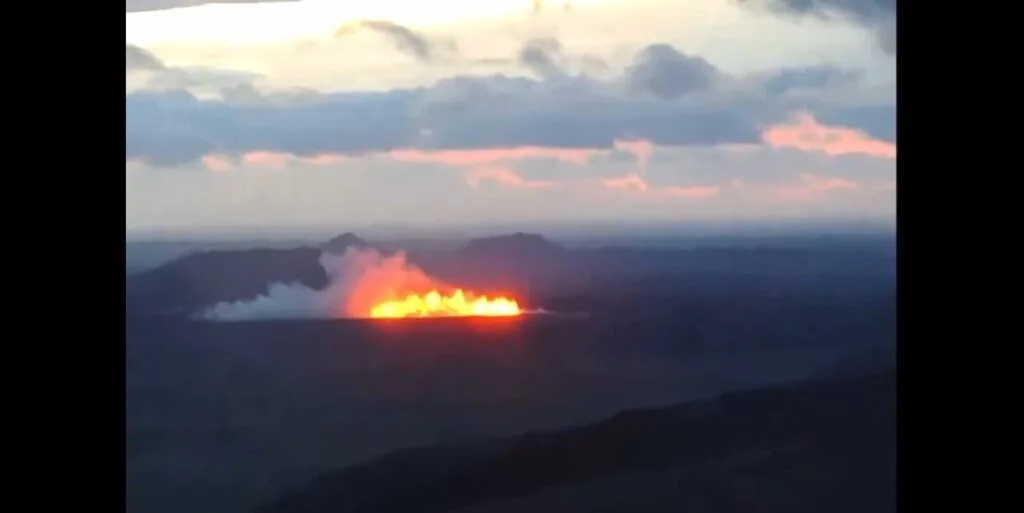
(358, 279)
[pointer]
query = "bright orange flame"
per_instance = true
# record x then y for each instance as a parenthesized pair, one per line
(434, 304)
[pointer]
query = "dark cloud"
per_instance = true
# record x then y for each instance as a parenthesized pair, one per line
(138, 59)
(867, 12)
(667, 73)
(159, 5)
(472, 112)
(542, 56)
(879, 16)
(785, 80)
(407, 41)
(166, 127)
(571, 112)
(877, 120)
(546, 58)
(886, 35)
(175, 127)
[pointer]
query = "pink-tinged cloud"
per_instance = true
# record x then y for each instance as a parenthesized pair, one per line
(633, 182)
(812, 187)
(456, 158)
(506, 177)
(486, 156)
(266, 159)
(482, 157)
(690, 192)
(324, 159)
(269, 159)
(806, 134)
(217, 163)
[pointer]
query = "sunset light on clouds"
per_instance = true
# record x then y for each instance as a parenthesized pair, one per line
(317, 112)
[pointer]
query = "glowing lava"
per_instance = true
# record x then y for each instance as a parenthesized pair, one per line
(434, 304)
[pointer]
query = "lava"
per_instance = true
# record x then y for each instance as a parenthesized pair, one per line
(435, 304)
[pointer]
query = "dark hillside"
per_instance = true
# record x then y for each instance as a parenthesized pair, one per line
(814, 446)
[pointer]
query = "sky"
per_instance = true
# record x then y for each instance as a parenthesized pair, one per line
(416, 113)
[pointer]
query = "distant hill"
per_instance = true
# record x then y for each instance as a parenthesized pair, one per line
(509, 264)
(341, 243)
(514, 246)
(808, 447)
(206, 278)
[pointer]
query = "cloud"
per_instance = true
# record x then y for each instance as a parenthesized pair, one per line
(630, 181)
(637, 168)
(786, 80)
(667, 73)
(878, 16)
(217, 163)
(648, 171)
(546, 58)
(164, 77)
(641, 150)
(807, 134)
(542, 56)
(633, 182)
(863, 11)
(506, 177)
(245, 93)
(693, 182)
(664, 98)
(406, 40)
(876, 120)
(158, 5)
(189, 78)
(713, 180)
(462, 113)
(633, 153)
(137, 58)
(661, 131)
(812, 187)
(267, 159)
(493, 155)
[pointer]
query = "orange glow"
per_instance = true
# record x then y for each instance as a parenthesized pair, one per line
(434, 304)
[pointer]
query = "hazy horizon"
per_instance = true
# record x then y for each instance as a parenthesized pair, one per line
(626, 230)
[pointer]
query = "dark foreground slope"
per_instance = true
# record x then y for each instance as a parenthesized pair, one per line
(816, 446)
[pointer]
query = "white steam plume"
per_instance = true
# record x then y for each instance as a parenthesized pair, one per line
(357, 280)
